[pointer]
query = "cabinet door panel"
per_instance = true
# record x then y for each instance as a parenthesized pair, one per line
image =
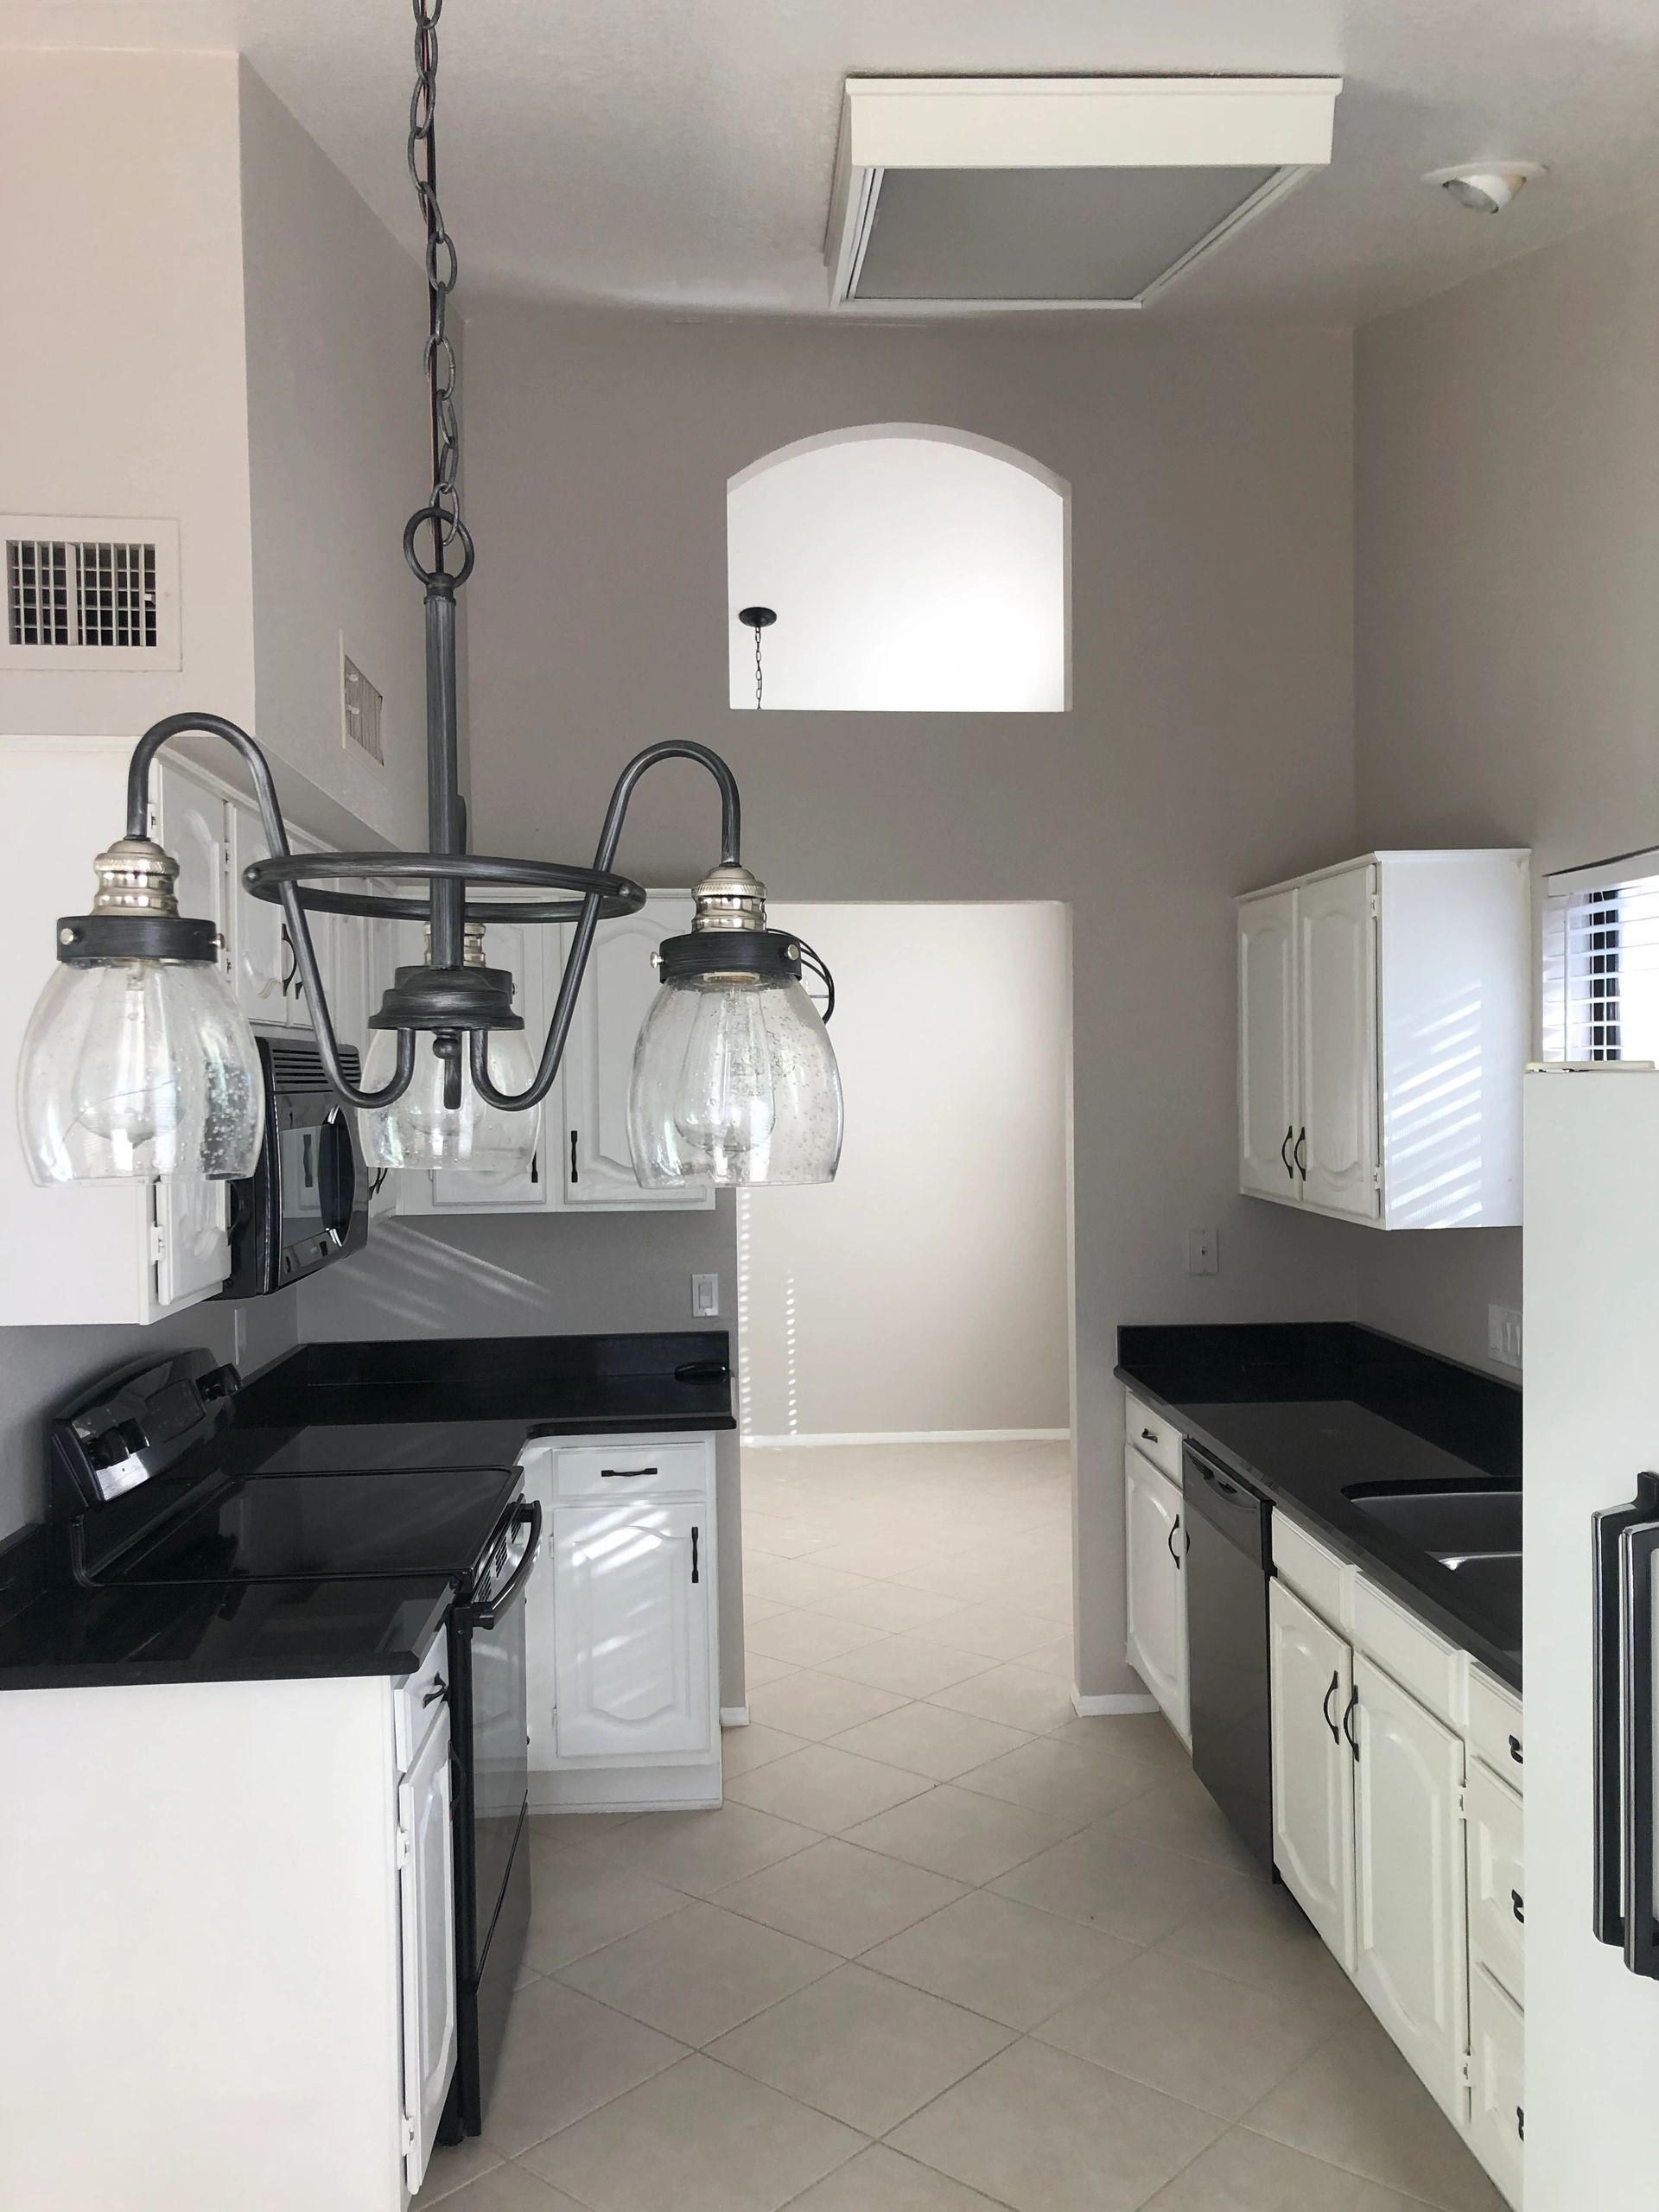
(1496, 1880)
(192, 823)
(425, 1897)
(1157, 1595)
(1337, 1010)
(596, 1166)
(1412, 1935)
(1267, 1047)
(263, 956)
(325, 942)
(1312, 1767)
(632, 1629)
(1497, 2122)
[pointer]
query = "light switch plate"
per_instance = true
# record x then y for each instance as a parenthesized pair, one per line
(705, 1297)
(1504, 1335)
(1203, 1252)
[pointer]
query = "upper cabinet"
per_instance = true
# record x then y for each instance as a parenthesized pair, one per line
(1383, 1027)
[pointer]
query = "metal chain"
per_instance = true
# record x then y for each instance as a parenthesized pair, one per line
(442, 370)
(759, 678)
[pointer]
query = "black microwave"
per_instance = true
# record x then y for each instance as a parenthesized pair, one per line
(307, 1201)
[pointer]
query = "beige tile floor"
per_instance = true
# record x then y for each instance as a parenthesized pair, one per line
(946, 1948)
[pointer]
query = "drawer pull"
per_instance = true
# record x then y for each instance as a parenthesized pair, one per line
(1515, 1751)
(624, 1474)
(695, 1577)
(438, 1689)
(1521, 2122)
(1517, 1907)
(1148, 1436)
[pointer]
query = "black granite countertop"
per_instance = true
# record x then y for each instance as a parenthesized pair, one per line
(382, 1408)
(1304, 1412)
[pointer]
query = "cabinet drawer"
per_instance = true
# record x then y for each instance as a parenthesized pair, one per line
(418, 1701)
(1498, 2121)
(1494, 1726)
(631, 1467)
(1150, 1432)
(1312, 1573)
(1496, 1879)
(1420, 1661)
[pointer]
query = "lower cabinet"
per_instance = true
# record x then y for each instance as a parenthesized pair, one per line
(1497, 2118)
(1411, 1943)
(1155, 1549)
(1311, 1671)
(622, 1624)
(426, 1889)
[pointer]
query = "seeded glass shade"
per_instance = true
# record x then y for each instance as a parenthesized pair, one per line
(734, 1081)
(137, 1068)
(419, 1130)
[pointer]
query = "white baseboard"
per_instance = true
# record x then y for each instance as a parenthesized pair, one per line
(1090, 1708)
(734, 1716)
(910, 1436)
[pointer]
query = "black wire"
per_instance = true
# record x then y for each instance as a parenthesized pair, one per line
(812, 960)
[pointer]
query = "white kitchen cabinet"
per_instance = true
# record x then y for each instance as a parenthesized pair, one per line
(426, 1889)
(1411, 1934)
(1312, 1677)
(1494, 1830)
(1497, 2118)
(622, 1623)
(325, 939)
(1384, 1011)
(1155, 1550)
(268, 985)
(1267, 1079)
(596, 1160)
(519, 947)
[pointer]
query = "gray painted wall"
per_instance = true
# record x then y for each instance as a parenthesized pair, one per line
(1210, 746)
(1508, 656)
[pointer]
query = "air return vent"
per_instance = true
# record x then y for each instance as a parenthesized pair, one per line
(957, 194)
(89, 591)
(360, 706)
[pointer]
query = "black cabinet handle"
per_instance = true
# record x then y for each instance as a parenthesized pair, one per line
(1284, 1150)
(1517, 1907)
(1149, 1436)
(291, 956)
(1348, 1728)
(1515, 1751)
(1325, 1707)
(536, 1167)
(438, 1689)
(695, 1575)
(1175, 1530)
(1520, 2123)
(1301, 1155)
(575, 1176)
(624, 1474)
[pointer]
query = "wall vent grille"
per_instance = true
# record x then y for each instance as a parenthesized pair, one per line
(362, 705)
(85, 592)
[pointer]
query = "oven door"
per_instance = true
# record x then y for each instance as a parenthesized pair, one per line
(497, 1723)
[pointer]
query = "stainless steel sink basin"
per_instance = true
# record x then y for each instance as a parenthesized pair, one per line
(1458, 1528)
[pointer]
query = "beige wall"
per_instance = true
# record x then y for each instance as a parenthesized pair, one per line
(1508, 654)
(927, 1288)
(1208, 746)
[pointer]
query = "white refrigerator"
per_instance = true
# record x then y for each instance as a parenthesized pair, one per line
(1591, 1536)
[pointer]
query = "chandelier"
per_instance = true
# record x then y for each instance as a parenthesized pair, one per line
(139, 1063)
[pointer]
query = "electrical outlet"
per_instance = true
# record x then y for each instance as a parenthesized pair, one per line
(1504, 1335)
(1203, 1252)
(705, 1297)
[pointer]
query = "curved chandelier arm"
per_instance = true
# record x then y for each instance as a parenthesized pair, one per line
(564, 1007)
(299, 930)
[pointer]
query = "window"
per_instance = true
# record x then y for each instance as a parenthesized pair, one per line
(912, 568)
(1601, 961)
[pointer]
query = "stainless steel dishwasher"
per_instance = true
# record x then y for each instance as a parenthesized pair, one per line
(1227, 1561)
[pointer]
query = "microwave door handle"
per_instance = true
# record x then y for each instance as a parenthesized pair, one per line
(1639, 1548)
(494, 1611)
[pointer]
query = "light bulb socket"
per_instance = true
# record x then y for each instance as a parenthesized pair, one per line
(768, 955)
(449, 998)
(95, 940)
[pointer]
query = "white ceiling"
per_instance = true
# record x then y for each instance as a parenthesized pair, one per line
(676, 154)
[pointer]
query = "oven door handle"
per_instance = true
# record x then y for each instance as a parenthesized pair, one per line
(526, 1514)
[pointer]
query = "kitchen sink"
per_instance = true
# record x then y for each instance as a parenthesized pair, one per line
(1458, 1528)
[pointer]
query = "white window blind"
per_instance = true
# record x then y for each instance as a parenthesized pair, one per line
(1601, 961)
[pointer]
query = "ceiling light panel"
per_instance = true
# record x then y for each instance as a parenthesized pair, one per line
(957, 194)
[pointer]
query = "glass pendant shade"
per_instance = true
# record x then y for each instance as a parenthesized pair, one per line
(735, 1082)
(137, 1068)
(419, 1130)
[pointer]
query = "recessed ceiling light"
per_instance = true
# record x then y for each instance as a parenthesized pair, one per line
(1485, 188)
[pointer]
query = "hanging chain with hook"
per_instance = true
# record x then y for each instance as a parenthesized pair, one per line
(757, 619)
(443, 509)
(759, 674)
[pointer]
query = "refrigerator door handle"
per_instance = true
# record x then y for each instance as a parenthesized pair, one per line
(1639, 1548)
(1608, 1734)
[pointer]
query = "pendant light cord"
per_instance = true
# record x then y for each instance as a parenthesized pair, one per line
(759, 677)
(443, 509)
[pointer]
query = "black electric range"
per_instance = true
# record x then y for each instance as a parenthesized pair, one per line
(148, 1507)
